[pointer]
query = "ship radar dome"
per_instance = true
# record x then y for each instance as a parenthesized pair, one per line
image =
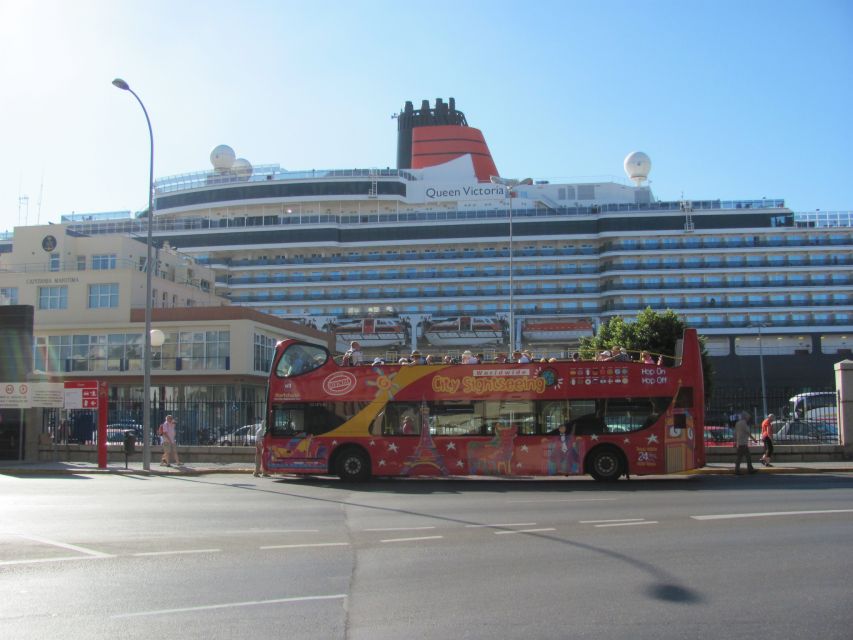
(637, 166)
(242, 168)
(222, 157)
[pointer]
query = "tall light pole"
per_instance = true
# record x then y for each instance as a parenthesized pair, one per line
(510, 184)
(146, 357)
(761, 365)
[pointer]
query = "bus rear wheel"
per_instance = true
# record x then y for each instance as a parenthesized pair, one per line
(353, 465)
(605, 464)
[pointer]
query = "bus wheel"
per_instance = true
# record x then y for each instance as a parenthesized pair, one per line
(353, 465)
(605, 464)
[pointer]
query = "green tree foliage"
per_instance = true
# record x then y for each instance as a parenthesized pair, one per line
(652, 331)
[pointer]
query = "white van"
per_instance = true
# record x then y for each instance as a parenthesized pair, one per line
(817, 406)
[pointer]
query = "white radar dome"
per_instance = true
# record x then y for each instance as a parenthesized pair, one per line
(222, 157)
(242, 168)
(637, 166)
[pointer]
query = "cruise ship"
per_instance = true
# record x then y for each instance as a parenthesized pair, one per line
(422, 256)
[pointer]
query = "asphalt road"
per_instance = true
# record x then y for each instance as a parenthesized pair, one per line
(216, 556)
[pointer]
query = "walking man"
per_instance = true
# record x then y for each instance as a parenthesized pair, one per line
(170, 447)
(767, 439)
(259, 450)
(742, 439)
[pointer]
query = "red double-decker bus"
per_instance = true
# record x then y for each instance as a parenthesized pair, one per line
(607, 419)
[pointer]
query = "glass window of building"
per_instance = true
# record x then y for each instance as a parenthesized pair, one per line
(53, 297)
(103, 262)
(8, 295)
(103, 296)
(53, 262)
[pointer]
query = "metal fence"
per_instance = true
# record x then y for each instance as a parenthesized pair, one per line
(198, 423)
(727, 402)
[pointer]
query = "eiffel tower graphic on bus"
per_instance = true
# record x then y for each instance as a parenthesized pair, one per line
(425, 454)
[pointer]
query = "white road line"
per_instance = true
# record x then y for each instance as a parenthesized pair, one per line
(412, 539)
(502, 533)
(175, 553)
(244, 531)
(6, 563)
(605, 521)
(768, 514)
(302, 546)
(250, 603)
(401, 529)
(509, 524)
(627, 524)
(64, 545)
(566, 500)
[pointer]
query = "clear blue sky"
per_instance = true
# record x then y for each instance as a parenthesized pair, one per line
(730, 99)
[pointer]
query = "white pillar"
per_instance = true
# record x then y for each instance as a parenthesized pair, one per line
(844, 389)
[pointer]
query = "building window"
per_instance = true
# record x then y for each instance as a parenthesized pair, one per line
(53, 297)
(104, 262)
(8, 295)
(53, 263)
(264, 349)
(103, 296)
(81, 263)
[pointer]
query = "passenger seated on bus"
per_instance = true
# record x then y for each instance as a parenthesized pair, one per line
(407, 426)
(295, 362)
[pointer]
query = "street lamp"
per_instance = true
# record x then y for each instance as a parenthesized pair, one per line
(761, 365)
(146, 358)
(510, 184)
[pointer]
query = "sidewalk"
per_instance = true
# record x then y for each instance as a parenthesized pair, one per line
(16, 468)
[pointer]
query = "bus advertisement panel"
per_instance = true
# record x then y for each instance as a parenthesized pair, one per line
(607, 419)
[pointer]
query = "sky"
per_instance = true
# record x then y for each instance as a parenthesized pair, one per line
(730, 99)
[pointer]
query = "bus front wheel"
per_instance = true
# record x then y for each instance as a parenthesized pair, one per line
(353, 465)
(605, 464)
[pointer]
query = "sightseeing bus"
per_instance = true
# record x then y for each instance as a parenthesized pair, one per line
(557, 418)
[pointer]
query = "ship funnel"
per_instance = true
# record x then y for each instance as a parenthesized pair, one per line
(428, 136)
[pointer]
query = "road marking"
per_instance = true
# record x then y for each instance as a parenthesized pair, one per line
(401, 529)
(250, 603)
(39, 560)
(510, 524)
(768, 514)
(627, 524)
(412, 539)
(501, 533)
(175, 553)
(65, 545)
(606, 521)
(244, 531)
(300, 546)
(566, 500)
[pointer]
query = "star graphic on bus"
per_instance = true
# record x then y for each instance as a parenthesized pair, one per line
(392, 447)
(524, 448)
(451, 446)
(652, 438)
(372, 443)
(460, 464)
(382, 463)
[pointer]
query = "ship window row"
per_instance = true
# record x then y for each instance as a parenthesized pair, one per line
(587, 249)
(182, 350)
(777, 345)
(730, 281)
(728, 261)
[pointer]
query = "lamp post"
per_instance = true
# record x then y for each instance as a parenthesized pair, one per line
(146, 357)
(761, 365)
(510, 184)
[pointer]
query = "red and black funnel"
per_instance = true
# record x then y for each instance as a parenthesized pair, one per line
(431, 136)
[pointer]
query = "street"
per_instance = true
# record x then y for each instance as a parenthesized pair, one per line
(232, 556)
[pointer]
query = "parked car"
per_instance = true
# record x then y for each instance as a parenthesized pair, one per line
(806, 432)
(116, 431)
(716, 436)
(240, 437)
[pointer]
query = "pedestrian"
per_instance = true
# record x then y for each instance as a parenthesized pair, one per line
(767, 439)
(170, 445)
(259, 450)
(742, 439)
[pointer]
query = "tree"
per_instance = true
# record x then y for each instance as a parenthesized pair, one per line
(651, 331)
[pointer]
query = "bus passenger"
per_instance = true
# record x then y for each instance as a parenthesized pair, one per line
(407, 427)
(354, 355)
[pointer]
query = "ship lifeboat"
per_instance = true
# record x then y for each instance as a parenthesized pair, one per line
(370, 332)
(556, 330)
(463, 331)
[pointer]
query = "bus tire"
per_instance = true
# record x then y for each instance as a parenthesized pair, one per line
(605, 464)
(352, 465)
